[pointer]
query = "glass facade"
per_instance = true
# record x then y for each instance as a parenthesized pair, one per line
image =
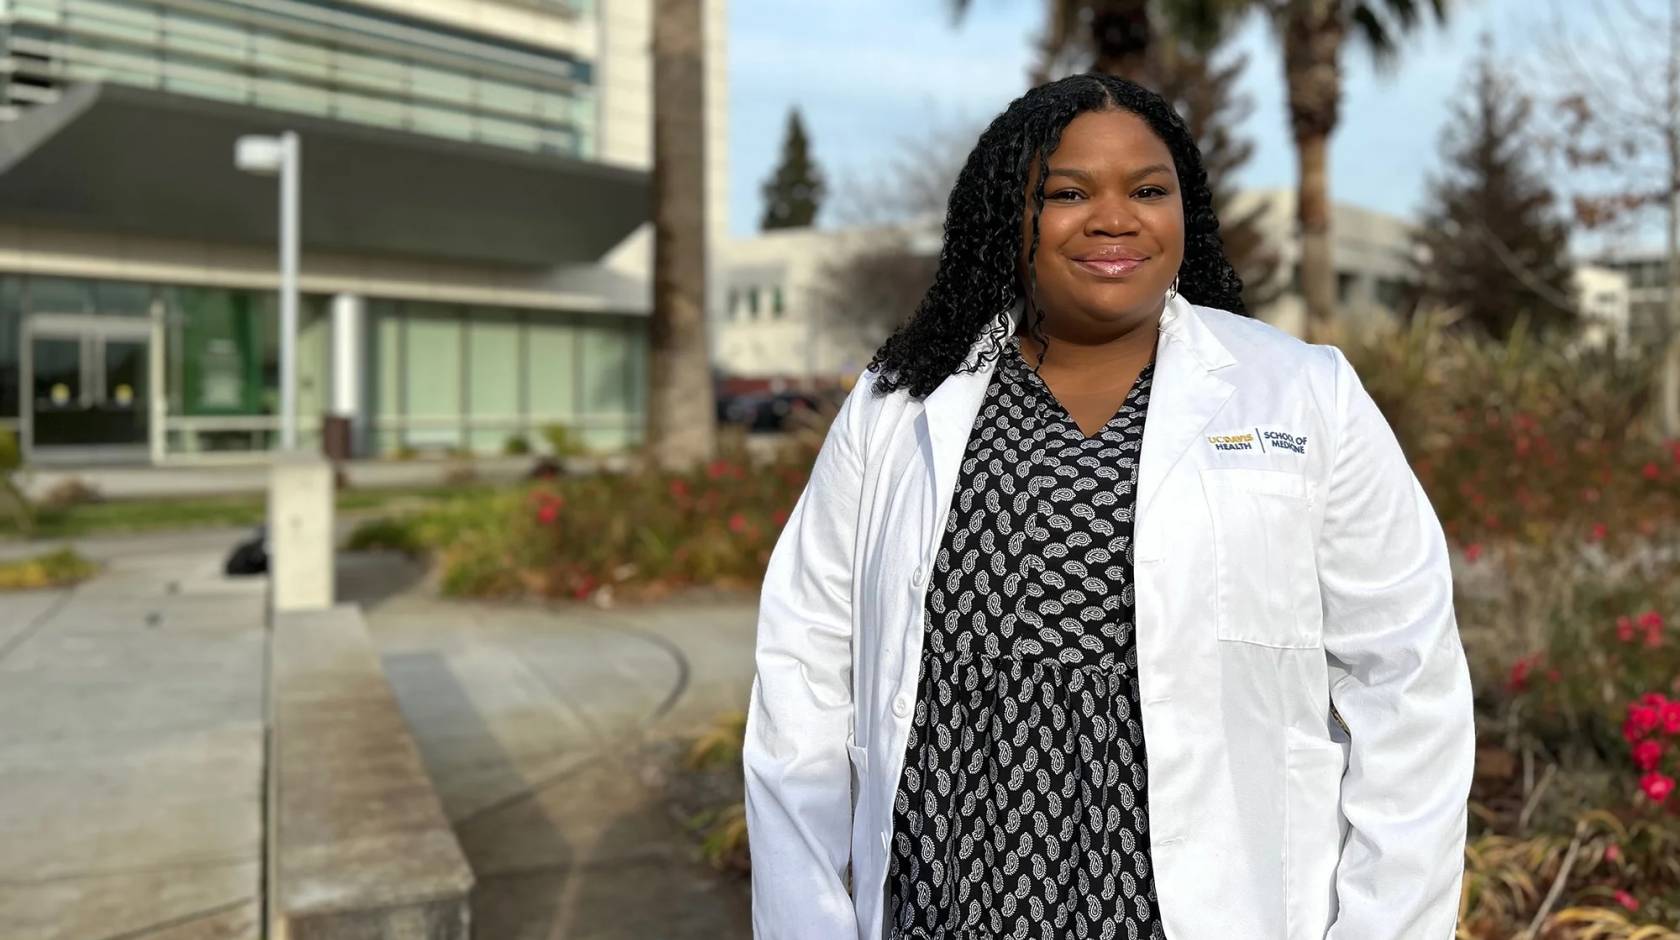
(444, 377)
(450, 377)
(307, 56)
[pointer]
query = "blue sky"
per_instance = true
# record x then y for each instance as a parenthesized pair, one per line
(869, 73)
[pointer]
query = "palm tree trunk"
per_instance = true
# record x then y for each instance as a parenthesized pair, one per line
(1313, 31)
(681, 419)
(1121, 34)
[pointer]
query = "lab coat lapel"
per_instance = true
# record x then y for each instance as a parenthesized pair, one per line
(1184, 396)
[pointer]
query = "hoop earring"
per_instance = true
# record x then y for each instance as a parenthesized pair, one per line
(1172, 291)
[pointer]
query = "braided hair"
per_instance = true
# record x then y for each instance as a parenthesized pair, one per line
(976, 283)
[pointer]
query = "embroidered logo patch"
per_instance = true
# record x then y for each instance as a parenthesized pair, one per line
(1260, 439)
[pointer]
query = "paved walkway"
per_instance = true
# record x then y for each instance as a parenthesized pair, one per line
(533, 722)
(131, 738)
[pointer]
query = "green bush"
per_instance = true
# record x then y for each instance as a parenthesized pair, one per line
(59, 568)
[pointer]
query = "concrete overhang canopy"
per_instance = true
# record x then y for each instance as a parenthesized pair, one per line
(116, 158)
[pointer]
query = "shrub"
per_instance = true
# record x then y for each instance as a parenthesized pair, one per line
(54, 569)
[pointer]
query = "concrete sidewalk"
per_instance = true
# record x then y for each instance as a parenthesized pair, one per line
(534, 722)
(131, 737)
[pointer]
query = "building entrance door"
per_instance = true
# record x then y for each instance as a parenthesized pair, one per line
(86, 385)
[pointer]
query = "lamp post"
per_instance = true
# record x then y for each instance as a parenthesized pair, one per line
(265, 155)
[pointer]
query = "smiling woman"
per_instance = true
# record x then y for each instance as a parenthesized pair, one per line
(1106, 610)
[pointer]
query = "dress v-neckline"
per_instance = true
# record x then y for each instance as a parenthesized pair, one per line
(1049, 400)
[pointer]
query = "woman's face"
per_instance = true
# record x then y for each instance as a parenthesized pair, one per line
(1111, 236)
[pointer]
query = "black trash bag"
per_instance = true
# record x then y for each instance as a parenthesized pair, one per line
(249, 556)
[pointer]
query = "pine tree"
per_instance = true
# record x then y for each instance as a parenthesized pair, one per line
(1494, 245)
(794, 193)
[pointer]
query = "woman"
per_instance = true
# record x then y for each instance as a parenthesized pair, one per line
(1106, 611)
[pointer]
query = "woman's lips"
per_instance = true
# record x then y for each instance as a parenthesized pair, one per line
(1118, 267)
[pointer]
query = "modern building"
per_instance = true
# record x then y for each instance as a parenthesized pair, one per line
(476, 250)
(1647, 289)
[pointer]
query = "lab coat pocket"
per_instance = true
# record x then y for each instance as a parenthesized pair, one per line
(1263, 557)
(1313, 832)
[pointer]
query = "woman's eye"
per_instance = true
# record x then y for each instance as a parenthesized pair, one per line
(1151, 192)
(1064, 192)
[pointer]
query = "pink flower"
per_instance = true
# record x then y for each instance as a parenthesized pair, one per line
(1650, 620)
(1473, 551)
(1599, 531)
(1627, 900)
(779, 517)
(1613, 852)
(679, 489)
(1647, 754)
(737, 523)
(1653, 699)
(1657, 786)
(1624, 628)
(548, 512)
(1651, 470)
(1553, 676)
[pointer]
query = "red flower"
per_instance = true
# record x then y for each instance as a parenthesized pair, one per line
(1653, 700)
(1612, 852)
(1657, 786)
(1473, 551)
(1650, 620)
(1653, 639)
(548, 512)
(1519, 672)
(1553, 676)
(1644, 718)
(737, 523)
(1599, 531)
(1627, 900)
(1647, 754)
(1624, 628)
(1590, 494)
(679, 489)
(1651, 470)
(1670, 712)
(716, 469)
(584, 587)
(779, 517)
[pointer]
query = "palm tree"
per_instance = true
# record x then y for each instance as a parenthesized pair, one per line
(681, 422)
(1313, 33)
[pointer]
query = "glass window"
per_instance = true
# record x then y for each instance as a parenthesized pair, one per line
(432, 375)
(220, 349)
(551, 368)
(606, 385)
(752, 302)
(122, 297)
(492, 378)
(776, 306)
(11, 325)
(384, 375)
(60, 295)
(439, 84)
(314, 363)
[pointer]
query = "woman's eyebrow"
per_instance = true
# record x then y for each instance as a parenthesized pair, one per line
(1135, 175)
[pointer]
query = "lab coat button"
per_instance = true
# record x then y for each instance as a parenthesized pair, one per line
(919, 576)
(901, 706)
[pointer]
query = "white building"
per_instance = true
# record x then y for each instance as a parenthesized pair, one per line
(1606, 305)
(475, 204)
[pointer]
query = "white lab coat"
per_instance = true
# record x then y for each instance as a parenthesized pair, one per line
(1286, 558)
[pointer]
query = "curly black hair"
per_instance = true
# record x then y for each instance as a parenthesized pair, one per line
(976, 283)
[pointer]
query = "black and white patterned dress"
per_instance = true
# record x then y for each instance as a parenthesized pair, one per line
(1021, 811)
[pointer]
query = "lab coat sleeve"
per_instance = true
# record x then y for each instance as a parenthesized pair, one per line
(798, 777)
(1398, 678)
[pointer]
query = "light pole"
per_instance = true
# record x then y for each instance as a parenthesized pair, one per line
(256, 153)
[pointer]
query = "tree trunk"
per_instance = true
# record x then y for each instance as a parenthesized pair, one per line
(1669, 386)
(681, 412)
(1312, 41)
